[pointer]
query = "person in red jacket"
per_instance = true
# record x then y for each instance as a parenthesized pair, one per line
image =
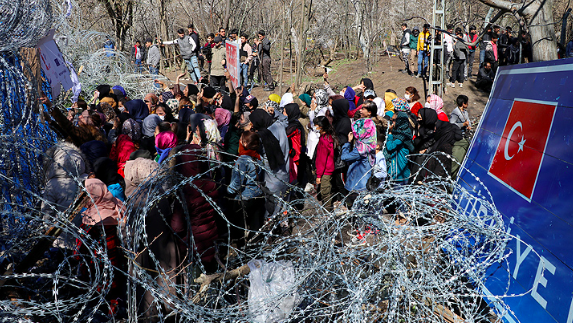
(436, 103)
(125, 144)
(324, 159)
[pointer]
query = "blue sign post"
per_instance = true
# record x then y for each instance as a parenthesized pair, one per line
(523, 154)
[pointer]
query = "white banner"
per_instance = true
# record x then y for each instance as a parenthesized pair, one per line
(54, 65)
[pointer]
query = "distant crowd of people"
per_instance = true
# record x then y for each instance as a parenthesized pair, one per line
(208, 61)
(497, 47)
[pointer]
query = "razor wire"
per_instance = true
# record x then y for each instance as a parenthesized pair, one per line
(411, 253)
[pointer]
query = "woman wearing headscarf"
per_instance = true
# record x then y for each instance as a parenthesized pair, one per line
(137, 109)
(93, 150)
(148, 127)
(350, 96)
(125, 144)
(223, 118)
(286, 99)
(424, 139)
(164, 142)
(436, 103)
(360, 153)
(398, 146)
(318, 108)
(276, 154)
(325, 159)
(412, 96)
(297, 141)
(105, 170)
(103, 217)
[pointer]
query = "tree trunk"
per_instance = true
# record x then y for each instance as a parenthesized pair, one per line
(538, 16)
(543, 38)
(227, 14)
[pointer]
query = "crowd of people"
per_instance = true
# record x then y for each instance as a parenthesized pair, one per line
(497, 47)
(209, 60)
(237, 153)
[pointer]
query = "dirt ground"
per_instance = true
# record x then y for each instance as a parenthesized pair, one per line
(386, 75)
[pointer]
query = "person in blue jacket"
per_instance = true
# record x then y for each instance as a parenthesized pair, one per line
(360, 153)
(398, 146)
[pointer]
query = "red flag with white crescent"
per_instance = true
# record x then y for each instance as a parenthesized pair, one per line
(520, 151)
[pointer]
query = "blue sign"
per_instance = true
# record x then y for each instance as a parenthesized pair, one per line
(523, 153)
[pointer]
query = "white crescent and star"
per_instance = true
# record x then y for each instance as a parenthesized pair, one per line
(509, 135)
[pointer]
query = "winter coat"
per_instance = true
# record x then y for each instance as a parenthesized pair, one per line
(405, 42)
(122, 148)
(358, 171)
(201, 212)
(153, 56)
(324, 156)
(218, 55)
(423, 42)
(65, 167)
(244, 179)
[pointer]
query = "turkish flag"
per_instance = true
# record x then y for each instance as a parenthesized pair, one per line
(519, 155)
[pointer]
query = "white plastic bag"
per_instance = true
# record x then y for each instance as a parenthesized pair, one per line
(271, 298)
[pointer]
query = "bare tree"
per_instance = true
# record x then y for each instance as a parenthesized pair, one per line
(538, 18)
(121, 14)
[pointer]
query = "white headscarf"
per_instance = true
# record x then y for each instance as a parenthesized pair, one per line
(286, 99)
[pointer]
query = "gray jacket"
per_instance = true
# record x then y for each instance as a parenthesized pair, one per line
(153, 56)
(458, 117)
(186, 44)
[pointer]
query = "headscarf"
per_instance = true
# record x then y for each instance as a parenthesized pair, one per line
(388, 97)
(286, 99)
(364, 131)
(350, 95)
(192, 89)
(102, 207)
(136, 172)
(436, 103)
(137, 108)
(164, 142)
(173, 104)
(275, 98)
(270, 103)
(321, 97)
(132, 129)
(246, 119)
(340, 120)
(185, 115)
(120, 89)
(305, 98)
(427, 123)
(105, 170)
(293, 114)
(261, 120)
(149, 124)
(222, 116)
(103, 90)
(213, 137)
(109, 101)
(93, 150)
(400, 104)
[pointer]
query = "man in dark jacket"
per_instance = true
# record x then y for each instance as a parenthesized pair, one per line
(485, 77)
(405, 48)
(502, 45)
(265, 55)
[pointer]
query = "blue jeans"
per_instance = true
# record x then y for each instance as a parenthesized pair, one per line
(193, 68)
(138, 66)
(481, 56)
(422, 58)
(244, 74)
(153, 70)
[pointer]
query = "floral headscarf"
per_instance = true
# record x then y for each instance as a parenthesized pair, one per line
(271, 104)
(364, 131)
(173, 104)
(321, 97)
(131, 128)
(436, 103)
(400, 105)
(213, 138)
